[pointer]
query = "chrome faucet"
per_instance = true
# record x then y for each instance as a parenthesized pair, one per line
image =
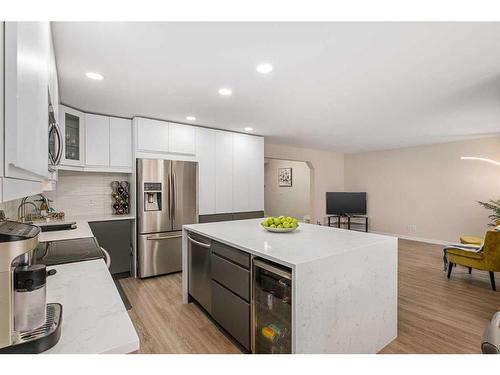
(21, 209)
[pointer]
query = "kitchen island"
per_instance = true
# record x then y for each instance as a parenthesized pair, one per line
(344, 283)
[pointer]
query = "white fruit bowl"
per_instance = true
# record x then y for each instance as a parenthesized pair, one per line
(279, 230)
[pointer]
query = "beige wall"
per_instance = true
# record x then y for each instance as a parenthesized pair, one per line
(288, 201)
(427, 191)
(327, 172)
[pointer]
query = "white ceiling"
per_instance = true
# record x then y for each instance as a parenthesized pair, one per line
(336, 86)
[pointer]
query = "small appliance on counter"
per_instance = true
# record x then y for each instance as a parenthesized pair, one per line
(27, 323)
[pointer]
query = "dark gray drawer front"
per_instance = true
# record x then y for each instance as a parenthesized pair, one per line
(235, 255)
(232, 276)
(248, 215)
(215, 218)
(232, 313)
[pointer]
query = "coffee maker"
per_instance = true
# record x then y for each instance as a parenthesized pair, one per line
(27, 323)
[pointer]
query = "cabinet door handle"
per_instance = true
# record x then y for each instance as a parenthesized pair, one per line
(108, 257)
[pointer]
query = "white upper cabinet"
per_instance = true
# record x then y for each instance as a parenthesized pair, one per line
(96, 140)
(152, 135)
(53, 81)
(255, 173)
(223, 172)
(108, 143)
(26, 58)
(72, 124)
(182, 139)
(248, 173)
(120, 143)
(241, 166)
(205, 151)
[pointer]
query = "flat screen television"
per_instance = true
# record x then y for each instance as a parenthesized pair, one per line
(345, 203)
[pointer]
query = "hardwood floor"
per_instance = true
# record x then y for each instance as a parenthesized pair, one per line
(436, 315)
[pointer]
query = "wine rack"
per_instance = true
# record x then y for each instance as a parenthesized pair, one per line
(121, 197)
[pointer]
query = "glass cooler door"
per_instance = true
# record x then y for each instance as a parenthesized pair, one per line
(272, 309)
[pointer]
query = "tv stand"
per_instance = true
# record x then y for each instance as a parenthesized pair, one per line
(347, 222)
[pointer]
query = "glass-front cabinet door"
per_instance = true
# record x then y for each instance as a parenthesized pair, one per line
(72, 125)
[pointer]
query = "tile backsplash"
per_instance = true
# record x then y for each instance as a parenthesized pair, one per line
(78, 193)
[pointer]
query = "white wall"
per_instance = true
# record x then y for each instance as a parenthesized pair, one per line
(427, 187)
(77, 193)
(288, 201)
(327, 172)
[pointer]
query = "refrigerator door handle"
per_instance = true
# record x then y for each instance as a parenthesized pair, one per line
(169, 201)
(270, 268)
(152, 238)
(174, 196)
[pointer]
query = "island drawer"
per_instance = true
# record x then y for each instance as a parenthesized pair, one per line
(235, 255)
(232, 276)
(232, 313)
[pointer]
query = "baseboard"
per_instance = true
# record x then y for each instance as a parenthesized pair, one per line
(412, 238)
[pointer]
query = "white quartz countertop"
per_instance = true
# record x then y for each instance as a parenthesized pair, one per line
(82, 227)
(308, 243)
(94, 318)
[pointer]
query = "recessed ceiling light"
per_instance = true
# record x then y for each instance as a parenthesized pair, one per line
(95, 76)
(190, 118)
(264, 68)
(248, 129)
(225, 91)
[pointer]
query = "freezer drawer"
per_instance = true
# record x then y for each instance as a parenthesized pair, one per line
(232, 313)
(159, 253)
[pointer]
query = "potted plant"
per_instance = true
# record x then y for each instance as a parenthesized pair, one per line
(494, 206)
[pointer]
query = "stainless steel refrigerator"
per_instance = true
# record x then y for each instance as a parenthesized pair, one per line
(166, 200)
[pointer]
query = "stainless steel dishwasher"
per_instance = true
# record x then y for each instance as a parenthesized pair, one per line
(200, 278)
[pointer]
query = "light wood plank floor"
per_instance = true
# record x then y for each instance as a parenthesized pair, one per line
(436, 315)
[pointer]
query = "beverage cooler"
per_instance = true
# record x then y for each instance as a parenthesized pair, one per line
(272, 308)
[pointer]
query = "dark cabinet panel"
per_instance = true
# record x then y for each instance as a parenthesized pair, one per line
(232, 276)
(232, 313)
(235, 255)
(116, 238)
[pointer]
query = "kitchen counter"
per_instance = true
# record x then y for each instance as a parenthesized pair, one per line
(82, 227)
(94, 318)
(344, 282)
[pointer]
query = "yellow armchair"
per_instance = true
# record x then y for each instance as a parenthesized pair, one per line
(487, 260)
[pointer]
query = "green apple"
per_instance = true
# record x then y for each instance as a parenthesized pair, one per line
(270, 220)
(289, 219)
(281, 217)
(279, 226)
(265, 223)
(286, 224)
(277, 221)
(272, 226)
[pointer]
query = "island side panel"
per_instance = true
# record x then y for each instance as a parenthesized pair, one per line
(185, 268)
(347, 303)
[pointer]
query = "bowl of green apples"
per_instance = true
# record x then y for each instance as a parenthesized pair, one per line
(280, 224)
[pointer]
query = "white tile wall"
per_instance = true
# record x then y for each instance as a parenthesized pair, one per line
(78, 193)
